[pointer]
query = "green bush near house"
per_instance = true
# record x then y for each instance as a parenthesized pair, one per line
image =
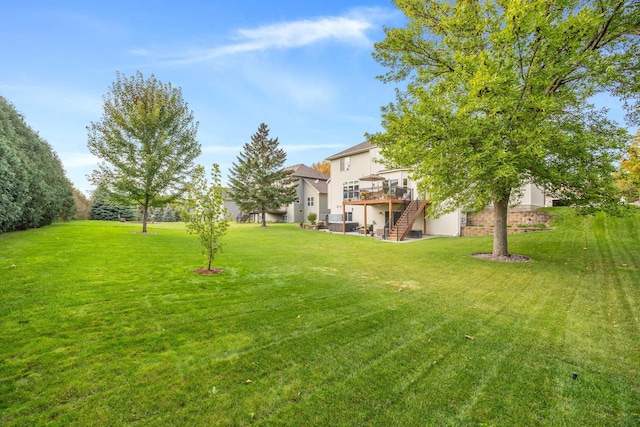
(312, 218)
(104, 326)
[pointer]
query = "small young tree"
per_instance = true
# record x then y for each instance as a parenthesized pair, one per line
(204, 213)
(258, 180)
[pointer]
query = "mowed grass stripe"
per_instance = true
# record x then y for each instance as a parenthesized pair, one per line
(392, 366)
(373, 380)
(592, 340)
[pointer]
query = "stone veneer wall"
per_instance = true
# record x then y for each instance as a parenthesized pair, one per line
(479, 224)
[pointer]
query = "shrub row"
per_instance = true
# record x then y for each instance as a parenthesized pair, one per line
(34, 190)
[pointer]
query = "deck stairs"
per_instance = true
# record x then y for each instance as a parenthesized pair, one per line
(406, 220)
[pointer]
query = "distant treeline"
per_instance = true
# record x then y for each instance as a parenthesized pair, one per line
(34, 190)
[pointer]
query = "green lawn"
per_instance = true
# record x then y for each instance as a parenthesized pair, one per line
(102, 326)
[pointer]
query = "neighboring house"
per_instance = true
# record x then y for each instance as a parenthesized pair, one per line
(312, 197)
(232, 209)
(365, 196)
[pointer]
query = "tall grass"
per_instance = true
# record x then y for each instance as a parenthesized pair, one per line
(102, 326)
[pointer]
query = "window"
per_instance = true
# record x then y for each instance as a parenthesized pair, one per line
(309, 201)
(351, 190)
(348, 216)
(345, 164)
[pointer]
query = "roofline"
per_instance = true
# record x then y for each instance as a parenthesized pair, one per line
(314, 187)
(364, 147)
(316, 174)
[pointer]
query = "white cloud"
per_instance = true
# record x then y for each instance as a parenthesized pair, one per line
(302, 33)
(351, 28)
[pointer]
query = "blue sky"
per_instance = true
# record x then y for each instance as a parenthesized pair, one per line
(302, 67)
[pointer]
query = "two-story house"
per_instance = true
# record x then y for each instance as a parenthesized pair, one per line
(365, 196)
(311, 197)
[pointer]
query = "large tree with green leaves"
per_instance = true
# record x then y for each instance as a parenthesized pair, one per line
(258, 180)
(204, 212)
(146, 140)
(497, 95)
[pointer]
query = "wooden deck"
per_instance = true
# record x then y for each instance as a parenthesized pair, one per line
(386, 201)
(384, 197)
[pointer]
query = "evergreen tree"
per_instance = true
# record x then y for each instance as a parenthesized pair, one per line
(258, 180)
(170, 214)
(103, 209)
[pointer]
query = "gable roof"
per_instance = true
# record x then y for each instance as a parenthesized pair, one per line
(303, 171)
(356, 149)
(319, 185)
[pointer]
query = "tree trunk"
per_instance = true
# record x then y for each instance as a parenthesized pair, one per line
(500, 227)
(264, 219)
(209, 246)
(145, 214)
